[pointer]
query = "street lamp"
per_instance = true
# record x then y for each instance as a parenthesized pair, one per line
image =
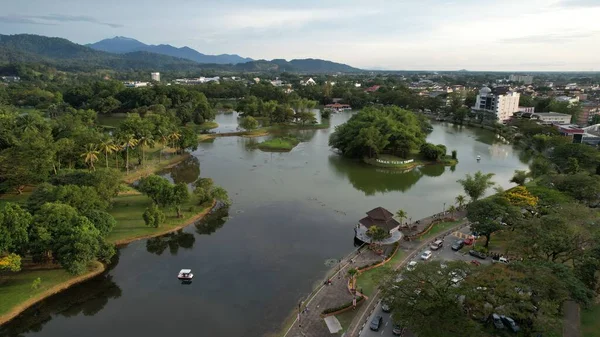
(444, 209)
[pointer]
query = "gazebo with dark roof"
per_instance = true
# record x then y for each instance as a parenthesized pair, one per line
(380, 217)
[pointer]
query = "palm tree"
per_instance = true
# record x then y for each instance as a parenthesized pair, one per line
(118, 148)
(452, 209)
(107, 146)
(130, 141)
(401, 214)
(460, 200)
(164, 139)
(90, 155)
(175, 135)
(352, 272)
(144, 142)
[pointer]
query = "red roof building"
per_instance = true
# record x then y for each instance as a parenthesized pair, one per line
(373, 88)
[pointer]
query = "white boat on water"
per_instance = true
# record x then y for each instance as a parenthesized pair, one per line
(478, 158)
(185, 275)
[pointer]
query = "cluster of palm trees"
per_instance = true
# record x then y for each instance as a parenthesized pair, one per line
(129, 141)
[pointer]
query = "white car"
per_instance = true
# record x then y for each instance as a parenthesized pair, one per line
(426, 255)
(411, 265)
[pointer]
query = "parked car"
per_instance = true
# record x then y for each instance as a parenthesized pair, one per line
(385, 307)
(437, 244)
(476, 263)
(496, 320)
(398, 330)
(468, 241)
(457, 245)
(426, 255)
(500, 259)
(512, 325)
(376, 323)
(411, 265)
(480, 255)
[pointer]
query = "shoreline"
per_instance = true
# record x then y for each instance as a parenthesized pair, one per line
(99, 269)
(124, 242)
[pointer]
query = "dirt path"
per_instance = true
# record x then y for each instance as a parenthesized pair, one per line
(572, 323)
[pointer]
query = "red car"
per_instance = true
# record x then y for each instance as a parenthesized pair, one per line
(476, 263)
(468, 241)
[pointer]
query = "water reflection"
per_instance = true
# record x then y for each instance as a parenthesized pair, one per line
(186, 172)
(433, 170)
(87, 299)
(371, 180)
(213, 221)
(173, 241)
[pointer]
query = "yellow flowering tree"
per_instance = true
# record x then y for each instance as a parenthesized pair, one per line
(520, 196)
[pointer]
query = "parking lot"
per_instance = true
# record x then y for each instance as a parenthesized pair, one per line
(445, 253)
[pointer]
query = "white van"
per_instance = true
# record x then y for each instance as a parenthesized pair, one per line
(437, 244)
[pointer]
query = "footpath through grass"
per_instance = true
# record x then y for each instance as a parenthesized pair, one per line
(590, 321)
(17, 289)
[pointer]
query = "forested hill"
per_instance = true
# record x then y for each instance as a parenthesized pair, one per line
(66, 55)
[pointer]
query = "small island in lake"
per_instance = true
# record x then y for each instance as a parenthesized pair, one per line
(279, 144)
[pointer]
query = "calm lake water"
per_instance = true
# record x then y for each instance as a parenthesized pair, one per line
(253, 262)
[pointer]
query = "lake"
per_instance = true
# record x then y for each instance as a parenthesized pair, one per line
(252, 263)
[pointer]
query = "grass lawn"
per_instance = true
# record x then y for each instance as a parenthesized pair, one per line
(16, 288)
(369, 280)
(590, 322)
(14, 198)
(279, 144)
(128, 210)
(440, 227)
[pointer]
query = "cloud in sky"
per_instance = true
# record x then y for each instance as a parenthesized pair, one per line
(392, 34)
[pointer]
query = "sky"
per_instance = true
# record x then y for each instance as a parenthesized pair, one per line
(494, 35)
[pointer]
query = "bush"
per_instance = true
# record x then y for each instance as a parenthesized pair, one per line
(343, 306)
(480, 249)
(454, 154)
(36, 283)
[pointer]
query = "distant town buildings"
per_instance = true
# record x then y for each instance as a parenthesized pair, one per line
(277, 83)
(11, 78)
(155, 76)
(501, 102)
(570, 100)
(373, 88)
(198, 80)
(135, 84)
(525, 79)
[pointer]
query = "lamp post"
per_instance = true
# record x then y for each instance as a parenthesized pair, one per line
(444, 209)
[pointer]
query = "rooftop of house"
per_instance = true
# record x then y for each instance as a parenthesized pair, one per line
(551, 114)
(379, 217)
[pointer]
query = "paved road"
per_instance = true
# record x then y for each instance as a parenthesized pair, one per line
(443, 254)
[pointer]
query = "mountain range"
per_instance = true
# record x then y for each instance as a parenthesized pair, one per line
(121, 45)
(66, 55)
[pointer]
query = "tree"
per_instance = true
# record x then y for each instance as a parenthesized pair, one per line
(220, 194)
(153, 216)
(188, 139)
(460, 200)
(60, 232)
(129, 141)
(519, 178)
(28, 162)
(486, 215)
(428, 294)
(174, 137)
(476, 185)
(372, 140)
(540, 166)
(401, 214)
(82, 198)
(156, 188)
(10, 262)
(595, 119)
(452, 209)
(587, 157)
(103, 221)
(432, 152)
(14, 227)
(180, 195)
(581, 186)
(572, 166)
(248, 123)
(145, 142)
(377, 233)
(90, 155)
(108, 147)
(106, 182)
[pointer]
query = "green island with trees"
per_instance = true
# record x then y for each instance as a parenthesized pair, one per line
(389, 137)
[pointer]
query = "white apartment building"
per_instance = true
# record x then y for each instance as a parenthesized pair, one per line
(155, 76)
(501, 102)
(526, 79)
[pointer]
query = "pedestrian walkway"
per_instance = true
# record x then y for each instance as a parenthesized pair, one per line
(309, 321)
(461, 235)
(361, 234)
